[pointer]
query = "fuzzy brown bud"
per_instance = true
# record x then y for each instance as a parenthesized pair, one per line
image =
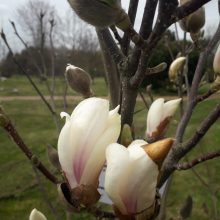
(193, 22)
(79, 80)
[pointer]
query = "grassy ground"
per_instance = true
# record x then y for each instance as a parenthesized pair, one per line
(19, 191)
(19, 86)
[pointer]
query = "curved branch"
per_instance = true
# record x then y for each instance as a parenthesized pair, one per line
(10, 129)
(191, 164)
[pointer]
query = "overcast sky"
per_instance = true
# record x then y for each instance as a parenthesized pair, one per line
(8, 8)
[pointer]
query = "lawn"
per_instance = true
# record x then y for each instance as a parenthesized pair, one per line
(19, 190)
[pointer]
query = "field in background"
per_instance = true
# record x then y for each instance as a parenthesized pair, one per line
(19, 191)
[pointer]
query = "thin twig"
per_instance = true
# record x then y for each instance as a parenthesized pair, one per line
(29, 78)
(116, 34)
(10, 129)
(132, 11)
(189, 165)
(45, 194)
(210, 92)
(144, 100)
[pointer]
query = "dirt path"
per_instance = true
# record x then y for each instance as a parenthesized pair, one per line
(76, 98)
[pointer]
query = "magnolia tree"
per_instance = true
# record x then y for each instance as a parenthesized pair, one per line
(136, 169)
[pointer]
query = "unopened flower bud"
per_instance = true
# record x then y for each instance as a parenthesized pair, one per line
(157, 69)
(78, 80)
(175, 68)
(101, 13)
(159, 116)
(216, 62)
(36, 215)
(126, 135)
(193, 22)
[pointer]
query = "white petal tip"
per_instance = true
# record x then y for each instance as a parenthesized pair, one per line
(36, 215)
(66, 115)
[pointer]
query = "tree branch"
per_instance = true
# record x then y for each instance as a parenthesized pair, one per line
(210, 92)
(189, 165)
(132, 11)
(187, 8)
(10, 129)
(115, 52)
(27, 75)
(111, 69)
(180, 150)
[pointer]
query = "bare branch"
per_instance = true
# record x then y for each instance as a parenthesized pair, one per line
(132, 11)
(179, 150)
(116, 34)
(144, 100)
(111, 70)
(210, 92)
(187, 8)
(113, 48)
(189, 165)
(10, 129)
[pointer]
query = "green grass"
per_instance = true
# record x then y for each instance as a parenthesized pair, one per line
(19, 192)
(24, 88)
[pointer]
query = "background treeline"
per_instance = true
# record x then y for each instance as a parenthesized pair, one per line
(53, 42)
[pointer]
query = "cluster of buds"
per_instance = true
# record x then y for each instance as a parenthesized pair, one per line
(89, 137)
(79, 80)
(101, 13)
(193, 22)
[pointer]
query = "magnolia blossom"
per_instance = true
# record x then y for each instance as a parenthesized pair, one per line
(159, 115)
(36, 215)
(131, 177)
(84, 138)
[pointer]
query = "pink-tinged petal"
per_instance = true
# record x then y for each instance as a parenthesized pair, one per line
(66, 152)
(37, 215)
(131, 177)
(117, 160)
(88, 122)
(138, 182)
(96, 159)
(154, 116)
(170, 108)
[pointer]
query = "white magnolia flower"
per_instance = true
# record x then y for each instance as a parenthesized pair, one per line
(159, 115)
(131, 177)
(84, 138)
(36, 215)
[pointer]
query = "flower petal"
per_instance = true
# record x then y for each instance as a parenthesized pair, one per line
(36, 215)
(154, 115)
(170, 108)
(117, 160)
(138, 182)
(97, 156)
